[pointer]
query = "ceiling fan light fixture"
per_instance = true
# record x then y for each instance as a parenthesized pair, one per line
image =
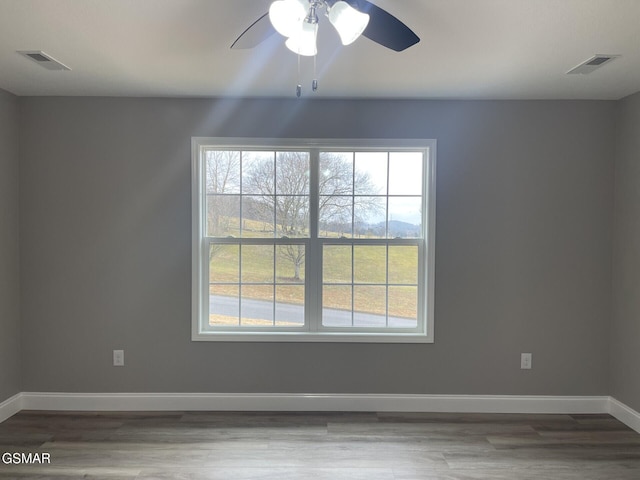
(348, 22)
(303, 42)
(287, 15)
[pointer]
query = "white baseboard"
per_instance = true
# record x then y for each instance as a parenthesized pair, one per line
(313, 402)
(10, 407)
(625, 414)
(300, 402)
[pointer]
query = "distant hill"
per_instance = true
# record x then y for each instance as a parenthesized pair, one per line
(398, 228)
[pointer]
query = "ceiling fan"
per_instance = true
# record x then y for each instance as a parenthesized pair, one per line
(297, 20)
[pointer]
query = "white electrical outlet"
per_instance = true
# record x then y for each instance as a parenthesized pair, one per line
(525, 361)
(118, 358)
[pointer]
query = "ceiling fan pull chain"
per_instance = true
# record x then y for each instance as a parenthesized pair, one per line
(314, 84)
(299, 86)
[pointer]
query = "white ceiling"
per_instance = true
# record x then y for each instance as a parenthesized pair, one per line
(469, 49)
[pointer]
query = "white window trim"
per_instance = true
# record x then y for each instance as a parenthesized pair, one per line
(199, 273)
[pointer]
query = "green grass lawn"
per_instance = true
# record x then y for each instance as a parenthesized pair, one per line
(360, 273)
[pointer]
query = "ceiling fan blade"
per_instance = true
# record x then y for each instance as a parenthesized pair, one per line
(384, 28)
(257, 33)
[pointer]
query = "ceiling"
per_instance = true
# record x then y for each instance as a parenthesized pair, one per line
(472, 49)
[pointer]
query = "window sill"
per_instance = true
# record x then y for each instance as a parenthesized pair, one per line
(324, 337)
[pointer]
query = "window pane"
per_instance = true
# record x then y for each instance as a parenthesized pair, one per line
(258, 215)
(257, 263)
(258, 173)
(336, 216)
(292, 216)
(369, 306)
(257, 305)
(224, 305)
(289, 305)
(224, 263)
(290, 263)
(370, 264)
(336, 174)
(370, 217)
(371, 173)
(405, 217)
(403, 265)
(336, 306)
(336, 264)
(223, 212)
(222, 171)
(405, 173)
(292, 173)
(403, 307)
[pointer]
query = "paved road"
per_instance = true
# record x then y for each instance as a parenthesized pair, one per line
(286, 312)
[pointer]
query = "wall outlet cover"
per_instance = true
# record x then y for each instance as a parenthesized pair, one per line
(118, 358)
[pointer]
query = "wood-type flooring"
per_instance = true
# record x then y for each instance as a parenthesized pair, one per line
(320, 446)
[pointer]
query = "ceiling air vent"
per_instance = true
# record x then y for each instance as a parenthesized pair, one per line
(43, 59)
(593, 63)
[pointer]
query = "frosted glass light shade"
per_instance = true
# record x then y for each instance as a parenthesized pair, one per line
(287, 15)
(303, 42)
(349, 22)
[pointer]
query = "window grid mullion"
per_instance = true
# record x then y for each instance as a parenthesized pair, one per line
(313, 253)
(204, 303)
(353, 194)
(386, 289)
(387, 245)
(205, 247)
(275, 191)
(240, 284)
(353, 282)
(275, 279)
(353, 233)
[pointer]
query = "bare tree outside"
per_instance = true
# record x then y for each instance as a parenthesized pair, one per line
(288, 196)
(222, 182)
(275, 194)
(338, 186)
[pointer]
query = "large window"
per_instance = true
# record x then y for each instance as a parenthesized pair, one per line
(313, 240)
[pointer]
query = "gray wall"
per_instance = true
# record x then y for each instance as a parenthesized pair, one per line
(523, 260)
(625, 331)
(9, 264)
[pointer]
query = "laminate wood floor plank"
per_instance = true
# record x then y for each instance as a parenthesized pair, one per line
(384, 445)
(426, 429)
(574, 473)
(495, 418)
(59, 473)
(279, 418)
(8, 439)
(607, 436)
(582, 426)
(271, 474)
(319, 446)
